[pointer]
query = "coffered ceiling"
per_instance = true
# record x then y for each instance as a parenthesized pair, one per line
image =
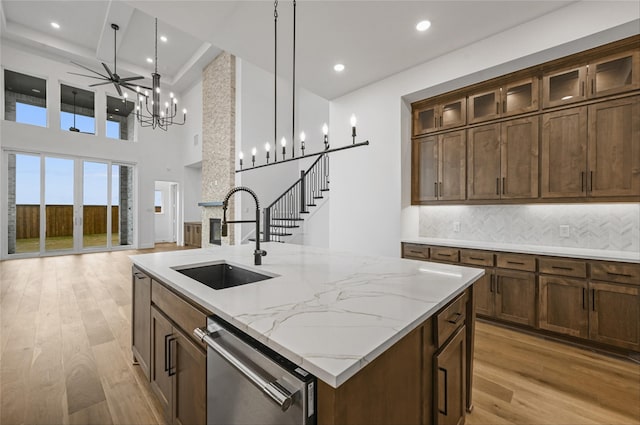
(373, 39)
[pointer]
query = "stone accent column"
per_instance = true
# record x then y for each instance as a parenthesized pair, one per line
(126, 205)
(218, 138)
(11, 209)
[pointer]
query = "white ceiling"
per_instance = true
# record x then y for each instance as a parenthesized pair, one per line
(374, 39)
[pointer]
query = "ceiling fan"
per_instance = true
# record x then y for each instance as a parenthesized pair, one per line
(112, 77)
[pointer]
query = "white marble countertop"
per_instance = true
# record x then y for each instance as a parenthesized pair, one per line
(556, 251)
(329, 312)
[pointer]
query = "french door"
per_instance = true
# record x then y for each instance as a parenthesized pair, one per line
(62, 205)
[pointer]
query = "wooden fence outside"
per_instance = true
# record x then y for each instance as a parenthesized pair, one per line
(60, 220)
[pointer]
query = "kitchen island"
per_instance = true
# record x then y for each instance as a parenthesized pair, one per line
(369, 328)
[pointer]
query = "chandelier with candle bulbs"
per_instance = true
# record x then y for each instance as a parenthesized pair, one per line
(157, 115)
(302, 137)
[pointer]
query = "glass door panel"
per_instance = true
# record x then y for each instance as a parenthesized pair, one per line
(94, 204)
(564, 87)
(615, 74)
(59, 203)
(121, 205)
(23, 203)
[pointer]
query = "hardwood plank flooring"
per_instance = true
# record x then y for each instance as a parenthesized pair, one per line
(65, 357)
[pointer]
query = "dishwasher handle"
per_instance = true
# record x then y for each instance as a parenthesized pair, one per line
(277, 393)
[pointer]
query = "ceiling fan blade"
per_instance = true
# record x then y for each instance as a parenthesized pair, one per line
(108, 70)
(131, 78)
(117, 86)
(89, 69)
(133, 88)
(99, 84)
(88, 76)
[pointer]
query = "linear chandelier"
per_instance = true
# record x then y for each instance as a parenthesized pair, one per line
(302, 138)
(157, 117)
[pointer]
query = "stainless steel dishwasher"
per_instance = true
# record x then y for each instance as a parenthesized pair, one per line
(249, 383)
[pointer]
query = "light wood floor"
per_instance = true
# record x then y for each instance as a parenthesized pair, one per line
(65, 357)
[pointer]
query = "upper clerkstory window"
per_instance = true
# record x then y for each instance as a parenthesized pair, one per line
(77, 111)
(25, 98)
(120, 118)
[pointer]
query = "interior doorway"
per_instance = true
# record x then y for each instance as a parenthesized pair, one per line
(166, 211)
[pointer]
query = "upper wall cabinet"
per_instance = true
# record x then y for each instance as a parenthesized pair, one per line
(435, 117)
(603, 77)
(509, 99)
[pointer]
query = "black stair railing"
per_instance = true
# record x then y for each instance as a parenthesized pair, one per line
(286, 212)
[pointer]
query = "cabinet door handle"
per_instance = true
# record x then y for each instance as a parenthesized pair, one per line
(455, 318)
(562, 268)
(519, 263)
(476, 258)
(445, 390)
(593, 85)
(171, 369)
(440, 120)
(435, 189)
(581, 181)
(593, 299)
(619, 274)
(497, 185)
(590, 181)
(497, 108)
(582, 88)
(440, 192)
(504, 107)
(139, 275)
(497, 285)
(504, 184)
(584, 298)
(166, 352)
(492, 285)
(443, 255)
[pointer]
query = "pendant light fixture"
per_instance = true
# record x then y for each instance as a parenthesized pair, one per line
(302, 138)
(73, 128)
(159, 116)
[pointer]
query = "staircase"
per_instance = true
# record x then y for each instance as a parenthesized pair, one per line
(288, 211)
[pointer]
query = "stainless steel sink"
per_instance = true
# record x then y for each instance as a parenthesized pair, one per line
(221, 275)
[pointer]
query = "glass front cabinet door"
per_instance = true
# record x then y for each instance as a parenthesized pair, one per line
(615, 74)
(567, 86)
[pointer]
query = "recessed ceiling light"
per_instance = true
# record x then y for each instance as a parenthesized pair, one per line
(117, 110)
(149, 60)
(338, 67)
(55, 25)
(423, 25)
(35, 90)
(163, 38)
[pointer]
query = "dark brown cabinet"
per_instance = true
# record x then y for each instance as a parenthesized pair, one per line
(484, 291)
(515, 295)
(614, 314)
(435, 117)
(614, 148)
(503, 160)
(563, 304)
(615, 74)
(565, 86)
(141, 320)
(513, 98)
(439, 171)
(178, 372)
(564, 153)
(449, 372)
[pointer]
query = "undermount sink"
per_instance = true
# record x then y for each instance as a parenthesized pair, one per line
(221, 275)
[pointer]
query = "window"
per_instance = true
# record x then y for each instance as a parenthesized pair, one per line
(120, 118)
(158, 202)
(77, 110)
(25, 99)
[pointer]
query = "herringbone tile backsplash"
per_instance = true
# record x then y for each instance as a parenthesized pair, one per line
(614, 227)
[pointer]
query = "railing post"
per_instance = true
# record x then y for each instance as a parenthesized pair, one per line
(303, 195)
(267, 225)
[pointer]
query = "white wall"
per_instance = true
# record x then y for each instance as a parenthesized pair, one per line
(370, 203)
(254, 127)
(192, 101)
(157, 154)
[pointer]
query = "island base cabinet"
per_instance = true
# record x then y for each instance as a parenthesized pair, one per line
(450, 381)
(141, 316)
(614, 314)
(179, 371)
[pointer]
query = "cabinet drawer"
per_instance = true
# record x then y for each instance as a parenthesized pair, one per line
(450, 318)
(616, 272)
(476, 258)
(416, 251)
(563, 267)
(183, 314)
(516, 262)
(451, 255)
